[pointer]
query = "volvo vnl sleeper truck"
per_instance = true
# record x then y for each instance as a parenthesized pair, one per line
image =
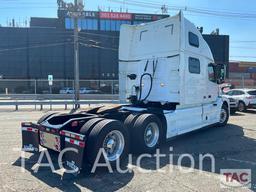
(168, 87)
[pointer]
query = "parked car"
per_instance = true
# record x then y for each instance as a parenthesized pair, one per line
(83, 90)
(86, 90)
(225, 88)
(67, 90)
(246, 98)
(233, 103)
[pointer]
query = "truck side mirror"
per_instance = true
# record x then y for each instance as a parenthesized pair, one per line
(220, 73)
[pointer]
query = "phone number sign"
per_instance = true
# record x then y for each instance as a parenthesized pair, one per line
(115, 16)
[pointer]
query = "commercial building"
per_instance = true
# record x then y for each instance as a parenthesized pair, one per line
(46, 47)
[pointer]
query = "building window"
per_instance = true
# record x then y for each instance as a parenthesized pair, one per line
(194, 65)
(95, 24)
(126, 22)
(92, 24)
(108, 25)
(193, 40)
(118, 25)
(69, 23)
(211, 73)
(84, 24)
(79, 23)
(103, 25)
(112, 25)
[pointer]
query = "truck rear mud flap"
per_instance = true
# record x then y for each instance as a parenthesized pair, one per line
(30, 137)
(74, 151)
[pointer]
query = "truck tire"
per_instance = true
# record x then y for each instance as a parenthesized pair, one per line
(224, 116)
(88, 126)
(241, 106)
(44, 117)
(110, 136)
(130, 120)
(147, 133)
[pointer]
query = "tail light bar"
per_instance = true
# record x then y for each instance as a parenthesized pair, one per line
(29, 129)
(72, 135)
(75, 142)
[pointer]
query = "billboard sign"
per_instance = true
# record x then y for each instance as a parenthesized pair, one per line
(142, 17)
(91, 14)
(115, 16)
(84, 14)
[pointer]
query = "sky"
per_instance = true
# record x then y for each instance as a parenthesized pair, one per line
(242, 31)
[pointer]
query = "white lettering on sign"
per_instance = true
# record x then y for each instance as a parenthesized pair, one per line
(235, 178)
(115, 16)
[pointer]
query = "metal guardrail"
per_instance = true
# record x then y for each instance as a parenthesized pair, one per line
(52, 103)
(58, 97)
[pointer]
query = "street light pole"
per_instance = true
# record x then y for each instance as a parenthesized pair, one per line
(75, 11)
(76, 57)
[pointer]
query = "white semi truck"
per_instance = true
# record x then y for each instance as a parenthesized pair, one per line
(168, 87)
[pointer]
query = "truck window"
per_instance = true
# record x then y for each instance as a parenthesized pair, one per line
(211, 73)
(193, 39)
(194, 65)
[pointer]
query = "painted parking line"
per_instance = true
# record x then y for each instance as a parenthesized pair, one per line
(241, 161)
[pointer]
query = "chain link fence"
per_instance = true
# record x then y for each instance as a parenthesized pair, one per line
(36, 87)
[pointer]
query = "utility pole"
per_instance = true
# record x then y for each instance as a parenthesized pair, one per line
(76, 60)
(164, 9)
(75, 11)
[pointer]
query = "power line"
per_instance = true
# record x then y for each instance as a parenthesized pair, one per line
(252, 48)
(34, 43)
(247, 41)
(29, 7)
(191, 9)
(242, 56)
(36, 46)
(97, 46)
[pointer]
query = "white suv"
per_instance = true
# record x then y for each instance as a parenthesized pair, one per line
(246, 98)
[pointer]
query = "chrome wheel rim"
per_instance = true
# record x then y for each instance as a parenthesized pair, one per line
(223, 115)
(113, 145)
(151, 134)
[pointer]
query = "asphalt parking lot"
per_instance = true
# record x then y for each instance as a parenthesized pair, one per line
(233, 147)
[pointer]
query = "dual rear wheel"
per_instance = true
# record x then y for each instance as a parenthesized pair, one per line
(145, 131)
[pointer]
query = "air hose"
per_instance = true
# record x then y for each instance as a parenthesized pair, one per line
(150, 89)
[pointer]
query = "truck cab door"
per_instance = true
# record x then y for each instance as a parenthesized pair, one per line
(210, 107)
(212, 86)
